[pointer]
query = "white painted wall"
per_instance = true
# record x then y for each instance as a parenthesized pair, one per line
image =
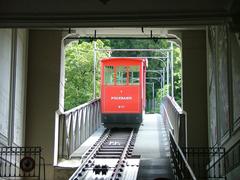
(20, 87)
(5, 71)
(13, 47)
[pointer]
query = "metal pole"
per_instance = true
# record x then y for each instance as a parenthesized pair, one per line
(172, 69)
(153, 95)
(159, 58)
(154, 50)
(161, 86)
(164, 76)
(167, 73)
(94, 69)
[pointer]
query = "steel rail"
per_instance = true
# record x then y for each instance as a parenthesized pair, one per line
(91, 154)
(93, 151)
(123, 156)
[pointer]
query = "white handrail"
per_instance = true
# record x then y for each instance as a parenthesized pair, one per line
(74, 126)
(176, 119)
(80, 106)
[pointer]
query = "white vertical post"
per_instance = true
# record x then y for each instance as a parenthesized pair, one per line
(153, 95)
(164, 76)
(168, 73)
(94, 69)
(172, 78)
(162, 85)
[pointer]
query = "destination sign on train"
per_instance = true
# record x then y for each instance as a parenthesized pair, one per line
(121, 98)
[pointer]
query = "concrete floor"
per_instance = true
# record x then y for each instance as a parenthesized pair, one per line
(152, 144)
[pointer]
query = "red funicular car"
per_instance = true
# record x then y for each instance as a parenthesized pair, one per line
(123, 86)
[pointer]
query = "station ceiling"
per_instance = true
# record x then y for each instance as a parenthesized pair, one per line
(62, 13)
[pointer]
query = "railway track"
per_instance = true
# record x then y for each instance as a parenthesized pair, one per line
(110, 157)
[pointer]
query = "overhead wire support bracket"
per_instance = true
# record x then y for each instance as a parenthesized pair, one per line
(156, 50)
(95, 35)
(121, 38)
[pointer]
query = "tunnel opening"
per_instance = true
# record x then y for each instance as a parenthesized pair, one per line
(83, 50)
(85, 47)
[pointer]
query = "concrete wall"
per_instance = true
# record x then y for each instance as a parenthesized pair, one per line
(43, 91)
(195, 86)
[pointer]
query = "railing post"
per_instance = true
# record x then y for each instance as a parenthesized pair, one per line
(99, 114)
(82, 126)
(93, 116)
(62, 134)
(57, 137)
(91, 127)
(85, 123)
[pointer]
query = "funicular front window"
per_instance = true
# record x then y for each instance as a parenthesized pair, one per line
(108, 75)
(134, 75)
(121, 75)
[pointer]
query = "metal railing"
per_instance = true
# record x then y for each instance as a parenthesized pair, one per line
(197, 162)
(206, 162)
(202, 162)
(232, 157)
(21, 162)
(175, 119)
(181, 168)
(73, 127)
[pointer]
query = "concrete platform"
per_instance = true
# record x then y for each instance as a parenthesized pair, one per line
(88, 143)
(153, 146)
(75, 159)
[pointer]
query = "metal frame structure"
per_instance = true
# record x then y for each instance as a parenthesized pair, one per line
(16, 162)
(167, 54)
(190, 162)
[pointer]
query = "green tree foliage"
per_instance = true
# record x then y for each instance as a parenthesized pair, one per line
(79, 72)
(177, 76)
(162, 92)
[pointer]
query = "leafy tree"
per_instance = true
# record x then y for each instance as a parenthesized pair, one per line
(177, 74)
(79, 72)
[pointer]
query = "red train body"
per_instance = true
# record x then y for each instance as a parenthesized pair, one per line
(123, 85)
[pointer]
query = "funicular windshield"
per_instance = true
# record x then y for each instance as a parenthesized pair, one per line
(125, 75)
